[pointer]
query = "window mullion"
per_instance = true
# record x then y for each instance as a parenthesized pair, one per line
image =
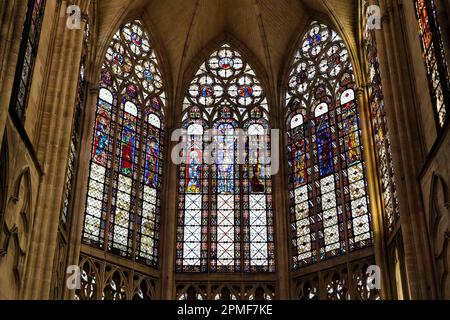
(341, 178)
(117, 109)
(138, 184)
(312, 145)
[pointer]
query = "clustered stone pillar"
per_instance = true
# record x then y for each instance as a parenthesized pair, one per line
(280, 194)
(77, 219)
(374, 190)
(169, 218)
(53, 148)
(407, 146)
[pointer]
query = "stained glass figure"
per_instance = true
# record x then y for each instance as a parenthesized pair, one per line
(152, 163)
(128, 144)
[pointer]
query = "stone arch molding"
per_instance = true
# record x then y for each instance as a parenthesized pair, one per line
(102, 280)
(14, 235)
(439, 230)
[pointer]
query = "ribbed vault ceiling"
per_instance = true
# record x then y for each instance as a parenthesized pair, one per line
(182, 30)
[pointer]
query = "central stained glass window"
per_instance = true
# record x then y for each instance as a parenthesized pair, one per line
(329, 204)
(225, 220)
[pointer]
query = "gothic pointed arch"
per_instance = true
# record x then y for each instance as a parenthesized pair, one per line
(122, 213)
(328, 192)
(225, 218)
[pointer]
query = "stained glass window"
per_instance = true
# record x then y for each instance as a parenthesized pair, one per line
(225, 221)
(123, 202)
(380, 131)
(435, 60)
(76, 128)
(329, 204)
(27, 55)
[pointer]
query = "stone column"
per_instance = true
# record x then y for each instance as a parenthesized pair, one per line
(169, 205)
(53, 148)
(376, 208)
(280, 193)
(81, 186)
(407, 145)
(169, 219)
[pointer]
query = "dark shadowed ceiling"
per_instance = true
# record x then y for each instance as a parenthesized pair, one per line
(182, 30)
